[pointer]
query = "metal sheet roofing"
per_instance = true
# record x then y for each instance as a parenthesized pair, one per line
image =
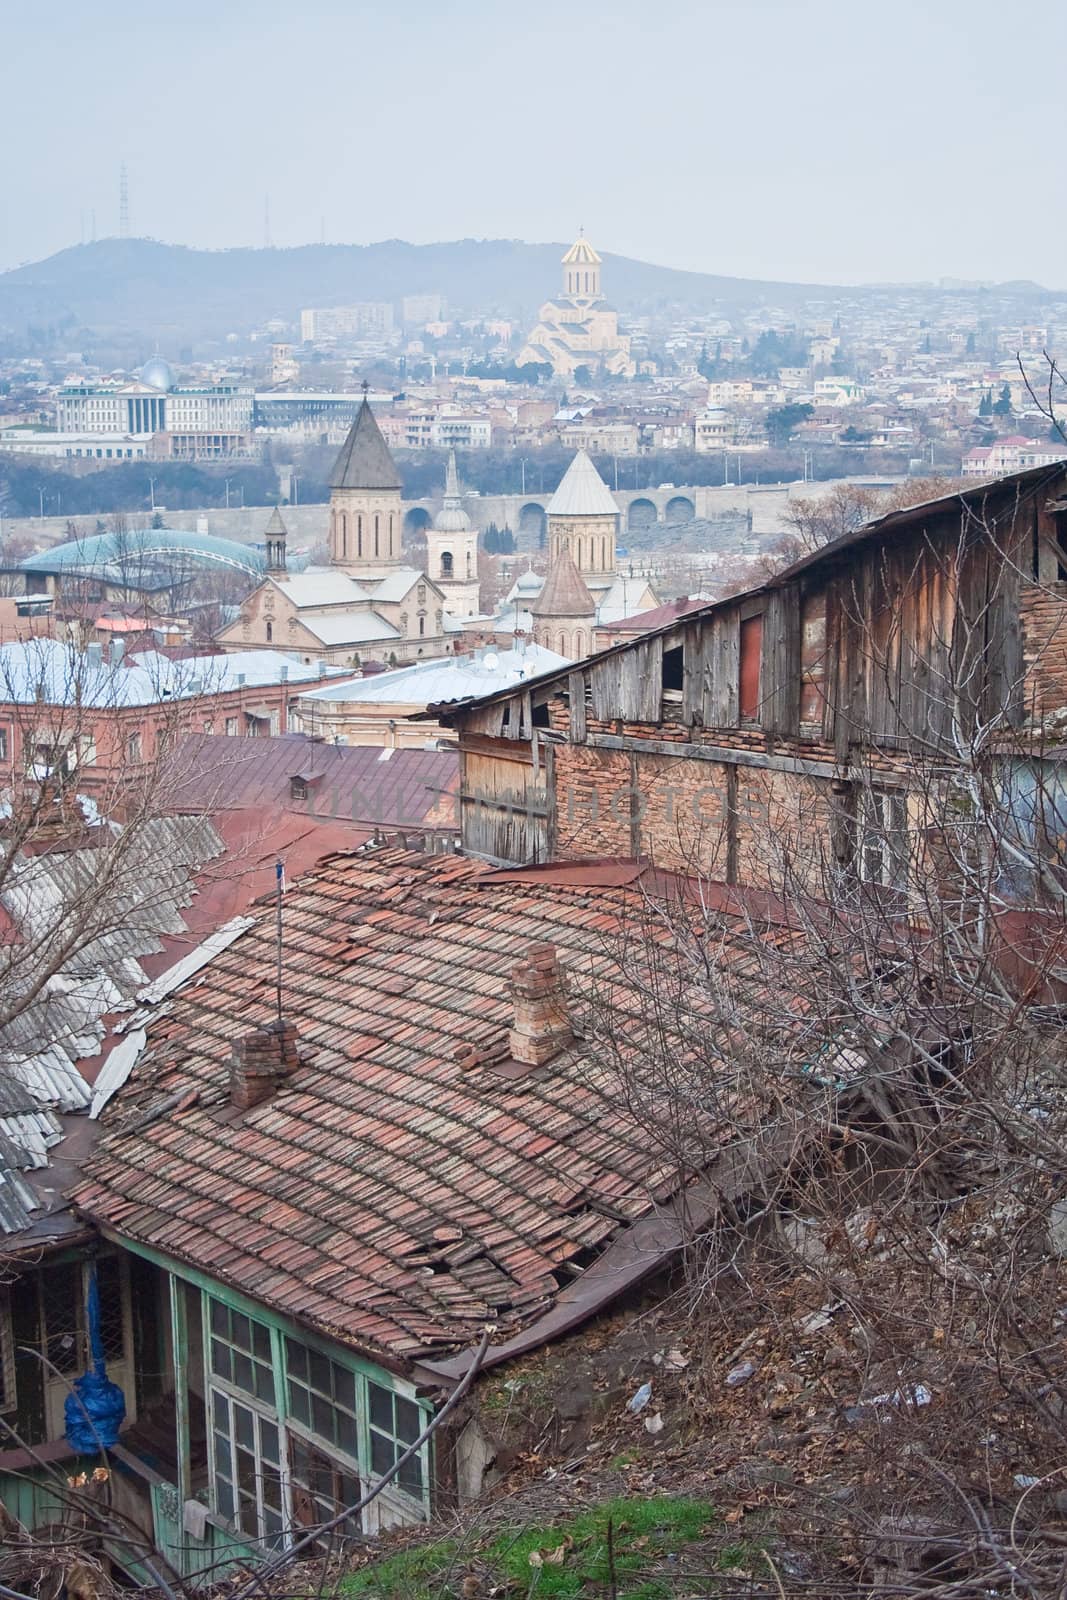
(56, 673)
(43, 1041)
(450, 678)
(582, 492)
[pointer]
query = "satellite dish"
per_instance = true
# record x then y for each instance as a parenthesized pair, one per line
(491, 661)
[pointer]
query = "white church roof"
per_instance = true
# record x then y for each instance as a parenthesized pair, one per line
(583, 492)
(321, 587)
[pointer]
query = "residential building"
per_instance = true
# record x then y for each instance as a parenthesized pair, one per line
(331, 1290)
(388, 708)
(66, 712)
(789, 721)
(579, 329)
(363, 319)
(422, 308)
(1015, 453)
(605, 437)
(713, 430)
(455, 430)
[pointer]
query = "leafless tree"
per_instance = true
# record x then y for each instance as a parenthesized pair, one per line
(873, 1028)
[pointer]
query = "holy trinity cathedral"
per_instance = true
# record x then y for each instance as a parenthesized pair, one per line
(579, 329)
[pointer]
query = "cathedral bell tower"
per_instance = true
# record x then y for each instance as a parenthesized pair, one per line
(452, 551)
(366, 521)
(581, 271)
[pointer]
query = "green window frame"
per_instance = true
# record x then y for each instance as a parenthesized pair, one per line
(395, 1422)
(239, 1351)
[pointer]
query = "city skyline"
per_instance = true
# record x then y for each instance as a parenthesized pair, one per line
(803, 144)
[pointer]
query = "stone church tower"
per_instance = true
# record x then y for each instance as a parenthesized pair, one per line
(275, 538)
(452, 551)
(366, 520)
(564, 613)
(583, 519)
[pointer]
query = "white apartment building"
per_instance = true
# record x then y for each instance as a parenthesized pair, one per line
(366, 318)
(77, 446)
(421, 308)
(713, 429)
(459, 432)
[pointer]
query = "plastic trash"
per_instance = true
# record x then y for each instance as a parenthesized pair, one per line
(641, 1398)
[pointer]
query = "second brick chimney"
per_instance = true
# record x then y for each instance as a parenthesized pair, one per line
(541, 1026)
(260, 1063)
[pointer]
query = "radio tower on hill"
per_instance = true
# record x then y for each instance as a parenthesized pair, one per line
(124, 203)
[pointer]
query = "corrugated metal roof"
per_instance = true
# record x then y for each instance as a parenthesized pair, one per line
(42, 1043)
(450, 678)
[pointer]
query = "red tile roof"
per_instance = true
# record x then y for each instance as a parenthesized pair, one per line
(391, 1194)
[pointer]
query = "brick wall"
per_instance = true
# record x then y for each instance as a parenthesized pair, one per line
(735, 823)
(1043, 610)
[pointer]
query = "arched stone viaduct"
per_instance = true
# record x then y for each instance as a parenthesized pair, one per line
(667, 506)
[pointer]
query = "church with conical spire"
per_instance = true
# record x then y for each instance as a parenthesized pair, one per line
(366, 518)
(579, 329)
(367, 605)
(452, 550)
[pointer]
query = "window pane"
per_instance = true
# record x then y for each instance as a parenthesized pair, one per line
(261, 1342)
(246, 1473)
(220, 1320)
(223, 1463)
(322, 1416)
(344, 1388)
(348, 1434)
(382, 1453)
(224, 1499)
(320, 1372)
(220, 1359)
(408, 1420)
(410, 1475)
(244, 1427)
(264, 1379)
(268, 1441)
(297, 1358)
(240, 1330)
(242, 1371)
(299, 1403)
(220, 1408)
(381, 1407)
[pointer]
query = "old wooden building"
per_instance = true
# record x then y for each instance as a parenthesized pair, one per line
(798, 713)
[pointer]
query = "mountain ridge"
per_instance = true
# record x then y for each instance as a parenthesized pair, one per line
(126, 287)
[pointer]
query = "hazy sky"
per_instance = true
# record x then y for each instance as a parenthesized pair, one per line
(836, 140)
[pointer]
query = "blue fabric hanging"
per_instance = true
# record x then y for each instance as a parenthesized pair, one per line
(95, 1410)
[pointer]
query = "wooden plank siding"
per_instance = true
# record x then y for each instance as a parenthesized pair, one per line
(915, 633)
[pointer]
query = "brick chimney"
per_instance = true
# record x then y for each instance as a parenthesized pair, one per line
(541, 1025)
(260, 1063)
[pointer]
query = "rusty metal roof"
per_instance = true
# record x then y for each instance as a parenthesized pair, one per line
(391, 1194)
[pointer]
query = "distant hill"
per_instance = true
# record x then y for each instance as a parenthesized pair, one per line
(124, 288)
